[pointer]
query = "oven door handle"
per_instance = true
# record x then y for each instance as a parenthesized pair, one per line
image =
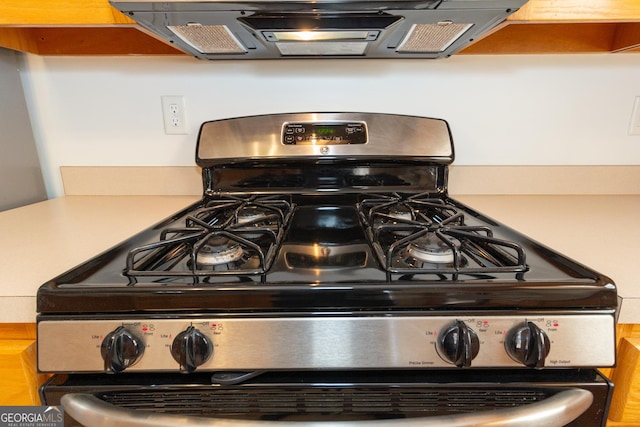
(555, 411)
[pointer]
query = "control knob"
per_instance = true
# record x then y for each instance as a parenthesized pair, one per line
(528, 344)
(191, 348)
(458, 344)
(120, 349)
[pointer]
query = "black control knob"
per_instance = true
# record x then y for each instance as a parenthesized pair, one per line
(191, 348)
(528, 344)
(459, 344)
(120, 349)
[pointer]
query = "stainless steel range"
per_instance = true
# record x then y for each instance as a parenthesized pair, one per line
(327, 275)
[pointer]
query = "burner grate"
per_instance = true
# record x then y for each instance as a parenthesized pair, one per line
(422, 234)
(229, 236)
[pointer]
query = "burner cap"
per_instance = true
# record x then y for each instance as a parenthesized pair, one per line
(400, 212)
(432, 249)
(219, 250)
(250, 213)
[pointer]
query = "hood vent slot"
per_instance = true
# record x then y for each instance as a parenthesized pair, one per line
(432, 37)
(322, 48)
(318, 21)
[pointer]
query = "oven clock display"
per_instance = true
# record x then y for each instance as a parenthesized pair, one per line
(333, 133)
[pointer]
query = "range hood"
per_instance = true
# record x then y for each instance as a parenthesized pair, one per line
(273, 29)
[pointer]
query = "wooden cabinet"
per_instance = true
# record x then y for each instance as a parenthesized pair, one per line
(19, 379)
(566, 26)
(625, 405)
(73, 27)
(93, 27)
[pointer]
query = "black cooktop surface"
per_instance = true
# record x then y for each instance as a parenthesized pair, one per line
(316, 252)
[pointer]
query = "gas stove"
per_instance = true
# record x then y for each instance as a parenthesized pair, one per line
(326, 242)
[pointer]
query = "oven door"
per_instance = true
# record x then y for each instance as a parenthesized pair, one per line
(355, 398)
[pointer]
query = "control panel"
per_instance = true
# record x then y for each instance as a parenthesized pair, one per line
(341, 342)
(324, 133)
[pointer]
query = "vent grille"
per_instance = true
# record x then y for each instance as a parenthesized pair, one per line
(423, 38)
(321, 48)
(348, 403)
(209, 38)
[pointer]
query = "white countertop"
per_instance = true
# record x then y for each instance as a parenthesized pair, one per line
(42, 240)
(601, 232)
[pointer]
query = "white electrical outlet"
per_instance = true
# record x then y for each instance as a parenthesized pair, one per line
(173, 115)
(634, 125)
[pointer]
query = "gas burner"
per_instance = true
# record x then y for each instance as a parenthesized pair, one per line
(225, 235)
(397, 214)
(397, 209)
(219, 250)
(431, 249)
(255, 217)
(421, 233)
(251, 214)
(402, 212)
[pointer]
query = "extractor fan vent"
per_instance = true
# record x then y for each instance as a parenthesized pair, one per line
(435, 37)
(209, 38)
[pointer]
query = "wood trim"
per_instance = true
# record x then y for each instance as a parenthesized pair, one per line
(19, 379)
(625, 405)
(625, 377)
(627, 36)
(114, 40)
(627, 330)
(549, 38)
(60, 12)
(18, 331)
(17, 39)
(578, 10)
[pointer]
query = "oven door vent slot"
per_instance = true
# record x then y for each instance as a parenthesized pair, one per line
(332, 403)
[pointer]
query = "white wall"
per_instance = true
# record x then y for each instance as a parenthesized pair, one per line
(19, 164)
(503, 110)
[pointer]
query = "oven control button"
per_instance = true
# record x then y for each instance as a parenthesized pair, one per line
(120, 349)
(458, 344)
(528, 344)
(191, 348)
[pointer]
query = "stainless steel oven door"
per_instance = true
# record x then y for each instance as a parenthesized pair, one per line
(443, 398)
(556, 411)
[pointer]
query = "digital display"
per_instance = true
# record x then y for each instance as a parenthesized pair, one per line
(334, 133)
(325, 130)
